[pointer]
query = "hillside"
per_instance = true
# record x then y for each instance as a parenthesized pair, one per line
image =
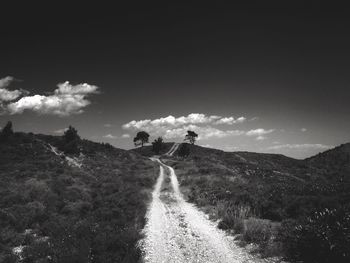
(89, 203)
(82, 207)
(297, 209)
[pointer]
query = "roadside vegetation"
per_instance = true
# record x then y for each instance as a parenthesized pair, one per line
(293, 209)
(52, 211)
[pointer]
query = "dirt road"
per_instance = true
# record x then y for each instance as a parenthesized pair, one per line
(176, 231)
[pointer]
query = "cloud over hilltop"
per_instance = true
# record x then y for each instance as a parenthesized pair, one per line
(207, 126)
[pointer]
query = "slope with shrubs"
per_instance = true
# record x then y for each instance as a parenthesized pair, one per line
(54, 210)
(297, 209)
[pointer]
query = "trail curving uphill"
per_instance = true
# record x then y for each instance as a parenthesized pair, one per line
(173, 149)
(177, 232)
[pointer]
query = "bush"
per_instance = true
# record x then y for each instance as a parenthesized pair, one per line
(184, 150)
(257, 230)
(323, 237)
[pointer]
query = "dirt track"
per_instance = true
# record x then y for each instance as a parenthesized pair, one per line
(176, 231)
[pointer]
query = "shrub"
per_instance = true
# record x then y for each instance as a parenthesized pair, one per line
(70, 142)
(7, 130)
(157, 145)
(184, 150)
(257, 230)
(323, 237)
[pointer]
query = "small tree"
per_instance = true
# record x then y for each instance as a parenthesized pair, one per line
(71, 139)
(191, 136)
(184, 150)
(7, 131)
(157, 145)
(141, 138)
(71, 134)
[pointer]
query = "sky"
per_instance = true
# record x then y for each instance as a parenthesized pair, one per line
(265, 77)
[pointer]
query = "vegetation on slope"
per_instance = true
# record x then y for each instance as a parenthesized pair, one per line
(89, 207)
(298, 209)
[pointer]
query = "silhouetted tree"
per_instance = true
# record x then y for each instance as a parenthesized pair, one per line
(191, 136)
(7, 130)
(6, 133)
(184, 150)
(71, 134)
(141, 138)
(157, 145)
(71, 139)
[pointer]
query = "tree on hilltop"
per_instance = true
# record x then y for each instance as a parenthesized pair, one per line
(141, 138)
(191, 136)
(157, 145)
(70, 141)
(71, 134)
(7, 131)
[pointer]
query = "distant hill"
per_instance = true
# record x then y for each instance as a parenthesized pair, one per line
(334, 163)
(71, 207)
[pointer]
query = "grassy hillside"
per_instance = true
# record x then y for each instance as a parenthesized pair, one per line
(85, 207)
(298, 209)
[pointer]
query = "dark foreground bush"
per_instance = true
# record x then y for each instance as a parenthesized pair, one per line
(323, 237)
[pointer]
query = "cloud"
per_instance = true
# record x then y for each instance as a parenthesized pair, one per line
(173, 122)
(203, 132)
(5, 82)
(260, 138)
(66, 100)
(107, 125)
(7, 95)
(110, 136)
(258, 132)
(60, 131)
(126, 135)
(300, 146)
(230, 120)
(204, 125)
(81, 89)
(303, 129)
(230, 148)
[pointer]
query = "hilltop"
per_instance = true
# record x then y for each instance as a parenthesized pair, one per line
(78, 207)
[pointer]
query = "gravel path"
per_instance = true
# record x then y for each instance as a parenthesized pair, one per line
(176, 231)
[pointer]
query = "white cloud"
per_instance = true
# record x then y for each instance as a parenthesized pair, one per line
(126, 135)
(5, 82)
(230, 148)
(7, 95)
(258, 132)
(81, 89)
(203, 132)
(173, 122)
(260, 138)
(204, 125)
(110, 136)
(300, 146)
(67, 99)
(303, 129)
(230, 120)
(60, 131)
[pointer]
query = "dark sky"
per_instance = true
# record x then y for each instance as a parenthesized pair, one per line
(284, 67)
